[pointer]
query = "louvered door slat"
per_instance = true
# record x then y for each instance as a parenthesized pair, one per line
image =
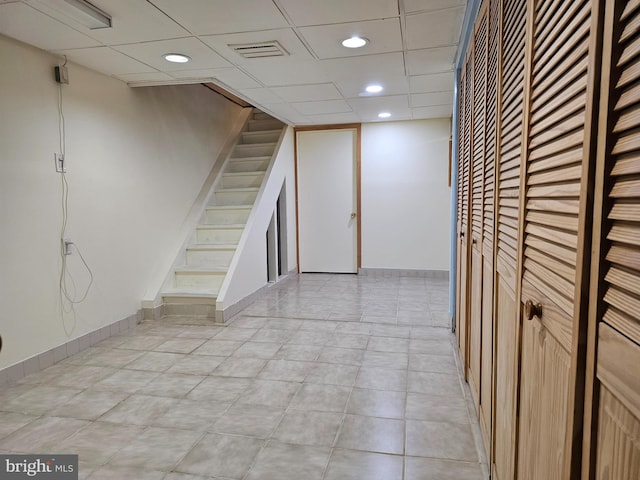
(621, 267)
(510, 135)
(479, 126)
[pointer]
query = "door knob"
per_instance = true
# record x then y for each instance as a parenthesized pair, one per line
(532, 310)
(353, 215)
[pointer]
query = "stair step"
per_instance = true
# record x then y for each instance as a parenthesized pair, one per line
(199, 276)
(267, 124)
(218, 234)
(199, 295)
(242, 179)
(254, 150)
(236, 196)
(228, 214)
(262, 136)
(210, 255)
(248, 164)
(260, 115)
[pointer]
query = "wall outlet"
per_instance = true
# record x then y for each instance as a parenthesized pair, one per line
(66, 246)
(59, 158)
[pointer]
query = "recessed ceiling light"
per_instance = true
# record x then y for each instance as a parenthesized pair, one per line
(374, 88)
(384, 115)
(354, 42)
(176, 58)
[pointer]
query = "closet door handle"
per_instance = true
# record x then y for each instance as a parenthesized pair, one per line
(532, 310)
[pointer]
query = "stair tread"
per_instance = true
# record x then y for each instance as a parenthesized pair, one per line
(241, 174)
(245, 159)
(212, 246)
(238, 189)
(229, 207)
(260, 132)
(190, 292)
(200, 269)
(255, 144)
(214, 226)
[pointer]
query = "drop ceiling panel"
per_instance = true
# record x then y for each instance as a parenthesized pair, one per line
(322, 12)
(205, 17)
(106, 60)
(335, 118)
(440, 111)
(431, 60)
(368, 109)
(384, 36)
(236, 79)
(286, 113)
(145, 77)
(364, 66)
(201, 73)
(444, 28)
(132, 21)
(304, 93)
(316, 108)
(437, 82)
(355, 87)
(260, 96)
(281, 71)
(202, 57)
(431, 99)
(285, 36)
(28, 25)
(422, 5)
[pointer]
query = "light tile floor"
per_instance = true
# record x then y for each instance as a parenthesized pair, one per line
(327, 377)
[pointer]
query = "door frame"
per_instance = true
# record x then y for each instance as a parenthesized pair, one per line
(347, 126)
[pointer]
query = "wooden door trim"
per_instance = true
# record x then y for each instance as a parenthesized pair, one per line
(596, 287)
(347, 126)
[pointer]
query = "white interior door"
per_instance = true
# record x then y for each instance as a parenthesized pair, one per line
(327, 201)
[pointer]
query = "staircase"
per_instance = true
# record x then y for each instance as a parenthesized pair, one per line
(214, 242)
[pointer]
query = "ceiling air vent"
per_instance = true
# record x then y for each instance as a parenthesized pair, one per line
(260, 50)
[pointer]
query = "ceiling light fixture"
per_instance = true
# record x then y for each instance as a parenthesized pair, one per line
(88, 15)
(374, 88)
(384, 115)
(176, 58)
(354, 42)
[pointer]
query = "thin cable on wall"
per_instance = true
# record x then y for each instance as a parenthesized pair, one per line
(67, 295)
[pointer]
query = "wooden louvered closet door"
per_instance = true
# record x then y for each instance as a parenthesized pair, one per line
(478, 138)
(616, 313)
(555, 209)
(464, 193)
(511, 87)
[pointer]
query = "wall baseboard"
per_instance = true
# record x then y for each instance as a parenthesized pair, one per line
(45, 359)
(395, 272)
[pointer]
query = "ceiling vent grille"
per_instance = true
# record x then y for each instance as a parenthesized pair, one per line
(260, 50)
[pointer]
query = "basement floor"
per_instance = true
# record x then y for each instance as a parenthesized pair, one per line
(327, 377)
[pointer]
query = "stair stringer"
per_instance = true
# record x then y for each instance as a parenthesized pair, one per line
(164, 277)
(247, 273)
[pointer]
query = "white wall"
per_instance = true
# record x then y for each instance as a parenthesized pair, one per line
(405, 195)
(248, 270)
(136, 158)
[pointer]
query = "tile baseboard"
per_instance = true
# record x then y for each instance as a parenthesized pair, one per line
(394, 272)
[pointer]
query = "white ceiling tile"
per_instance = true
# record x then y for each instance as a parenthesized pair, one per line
(334, 118)
(384, 36)
(368, 66)
(431, 60)
(146, 77)
(201, 73)
(317, 108)
(304, 93)
(281, 71)
(423, 5)
(106, 60)
(236, 79)
(439, 111)
(431, 99)
(205, 17)
(434, 29)
(28, 25)
(262, 96)
(131, 21)
(437, 82)
(315, 12)
(202, 57)
(393, 85)
(285, 112)
(285, 36)
(368, 108)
